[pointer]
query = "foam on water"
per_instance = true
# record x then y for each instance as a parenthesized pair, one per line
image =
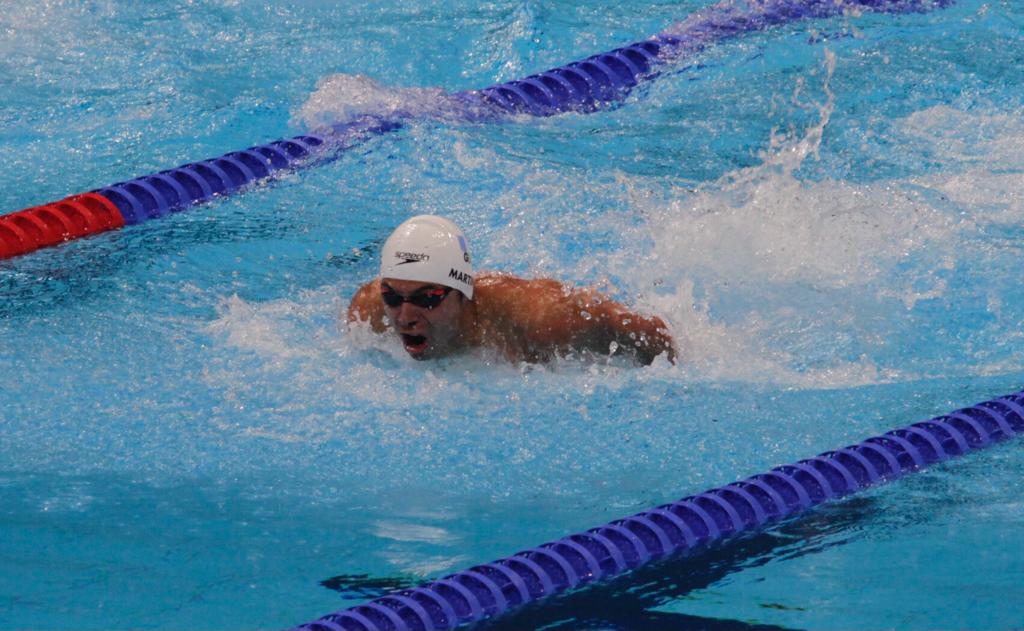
(762, 231)
(990, 182)
(341, 98)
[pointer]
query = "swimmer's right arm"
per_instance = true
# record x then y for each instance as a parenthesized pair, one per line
(366, 306)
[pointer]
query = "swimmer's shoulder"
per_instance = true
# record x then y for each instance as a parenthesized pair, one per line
(514, 301)
(366, 295)
(501, 288)
(503, 281)
(366, 306)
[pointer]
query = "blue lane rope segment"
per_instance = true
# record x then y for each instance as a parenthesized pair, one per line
(584, 86)
(682, 526)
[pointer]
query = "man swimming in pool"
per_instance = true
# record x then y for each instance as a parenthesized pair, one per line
(428, 295)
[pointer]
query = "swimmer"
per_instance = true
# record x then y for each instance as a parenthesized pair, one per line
(428, 295)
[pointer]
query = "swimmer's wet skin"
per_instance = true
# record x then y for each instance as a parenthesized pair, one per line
(428, 295)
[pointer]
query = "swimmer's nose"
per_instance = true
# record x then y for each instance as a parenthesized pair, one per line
(408, 315)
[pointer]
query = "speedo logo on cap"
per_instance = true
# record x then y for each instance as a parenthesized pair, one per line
(411, 257)
(462, 277)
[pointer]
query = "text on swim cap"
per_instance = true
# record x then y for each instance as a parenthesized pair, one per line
(411, 257)
(462, 277)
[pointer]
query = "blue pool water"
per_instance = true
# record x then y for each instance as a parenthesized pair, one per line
(828, 214)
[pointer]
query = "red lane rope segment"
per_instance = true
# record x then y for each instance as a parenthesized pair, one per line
(70, 218)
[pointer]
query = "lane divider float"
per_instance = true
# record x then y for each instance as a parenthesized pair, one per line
(583, 86)
(678, 528)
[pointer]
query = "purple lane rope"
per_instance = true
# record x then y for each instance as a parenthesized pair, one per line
(492, 589)
(583, 86)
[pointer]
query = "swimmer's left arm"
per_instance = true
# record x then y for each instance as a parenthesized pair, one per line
(586, 320)
(612, 323)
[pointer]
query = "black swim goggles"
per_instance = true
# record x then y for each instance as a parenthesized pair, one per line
(426, 299)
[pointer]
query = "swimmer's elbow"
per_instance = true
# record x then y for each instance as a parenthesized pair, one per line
(662, 345)
(355, 314)
(655, 340)
(669, 350)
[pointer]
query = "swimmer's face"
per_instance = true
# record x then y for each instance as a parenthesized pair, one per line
(425, 315)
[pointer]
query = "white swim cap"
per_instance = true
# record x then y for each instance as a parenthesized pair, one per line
(428, 249)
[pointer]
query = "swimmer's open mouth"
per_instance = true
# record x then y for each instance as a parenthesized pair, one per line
(414, 344)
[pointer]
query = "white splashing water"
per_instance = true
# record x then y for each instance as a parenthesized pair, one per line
(306, 380)
(341, 98)
(761, 231)
(992, 183)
